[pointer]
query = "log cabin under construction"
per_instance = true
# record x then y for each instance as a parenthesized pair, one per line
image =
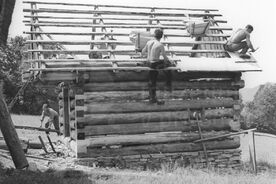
(104, 109)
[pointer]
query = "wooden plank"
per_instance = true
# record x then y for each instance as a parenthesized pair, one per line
(179, 67)
(133, 76)
(43, 144)
(137, 117)
(124, 18)
(144, 139)
(213, 137)
(221, 68)
(85, 60)
(118, 34)
(168, 126)
(51, 144)
(97, 68)
(113, 12)
(74, 64)
(100, 42)
(120, 23)
(228, 64)
(170, 105)
(163, 148)
(123, 96)
(117, 6)
(122, 26)
(36, 128)
(66, 110)
(176, 85)
(122, 52)
(109, 22)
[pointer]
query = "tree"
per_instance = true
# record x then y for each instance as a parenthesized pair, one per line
(11, 56)
(11, 63)
(261, 112)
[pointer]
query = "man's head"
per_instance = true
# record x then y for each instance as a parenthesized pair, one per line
(45, 107)
(249, 28)
(158, 33)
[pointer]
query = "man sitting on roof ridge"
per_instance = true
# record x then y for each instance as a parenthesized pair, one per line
(240, 40)
(155, 49)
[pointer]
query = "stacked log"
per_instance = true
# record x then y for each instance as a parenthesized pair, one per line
(116, 125)
(71, 116)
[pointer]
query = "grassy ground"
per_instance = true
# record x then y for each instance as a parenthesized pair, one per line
(59, 174)
(27, 120)
(113, 176)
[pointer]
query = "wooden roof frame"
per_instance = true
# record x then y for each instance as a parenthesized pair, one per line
(209, 45)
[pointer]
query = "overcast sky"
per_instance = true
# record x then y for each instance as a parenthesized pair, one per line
(238, 13)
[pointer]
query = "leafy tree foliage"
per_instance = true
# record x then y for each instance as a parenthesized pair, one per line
(11, 65)
(11, 56)
(261, 112)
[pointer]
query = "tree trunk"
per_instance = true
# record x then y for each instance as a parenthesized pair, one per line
(11, 137)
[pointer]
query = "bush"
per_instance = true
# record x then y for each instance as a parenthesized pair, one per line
(261, 112)
(11, 65)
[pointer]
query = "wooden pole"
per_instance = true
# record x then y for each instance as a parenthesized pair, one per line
(36, 128)
(11, 137)
(66, 111)
(52, 146)
(117, 6)
(200, 134)
(224, 136)
(43, 145)
(254, 151)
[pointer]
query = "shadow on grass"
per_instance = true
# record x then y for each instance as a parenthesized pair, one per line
(68, 176)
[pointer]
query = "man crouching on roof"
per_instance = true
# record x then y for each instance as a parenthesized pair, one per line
(155, 49)
(240, 40)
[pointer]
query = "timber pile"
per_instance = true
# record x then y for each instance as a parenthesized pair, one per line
(104, 97)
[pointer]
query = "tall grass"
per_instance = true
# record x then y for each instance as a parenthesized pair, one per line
(191, 176)
(178, 176)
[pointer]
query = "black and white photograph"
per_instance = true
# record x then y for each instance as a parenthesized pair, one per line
(137, 92)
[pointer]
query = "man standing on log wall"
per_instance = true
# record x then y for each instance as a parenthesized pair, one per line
(155, 49)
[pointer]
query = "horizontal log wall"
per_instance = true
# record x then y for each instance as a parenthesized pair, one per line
(115, 122)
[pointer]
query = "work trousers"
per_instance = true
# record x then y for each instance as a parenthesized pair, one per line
(232, 47)
(55, 121)
(153, 74)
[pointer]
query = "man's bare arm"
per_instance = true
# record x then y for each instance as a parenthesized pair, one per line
(42, 118)
(249, 44)
(145, 49)
(163, 53)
